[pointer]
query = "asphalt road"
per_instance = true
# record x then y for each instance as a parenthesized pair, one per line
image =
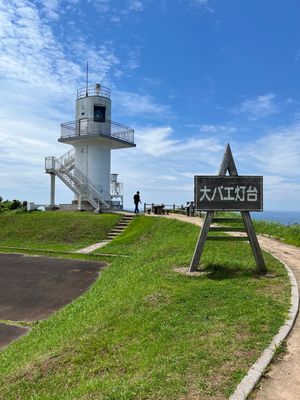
(10, 333)
(33, 287)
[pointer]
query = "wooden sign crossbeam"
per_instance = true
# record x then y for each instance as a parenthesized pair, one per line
(228, 164)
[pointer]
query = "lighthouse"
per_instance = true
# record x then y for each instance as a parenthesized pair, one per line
(86, 168)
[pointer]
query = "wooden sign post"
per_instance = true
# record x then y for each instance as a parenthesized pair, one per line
(228, 193)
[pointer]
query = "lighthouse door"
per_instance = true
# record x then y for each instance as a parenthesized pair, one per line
(83, 126)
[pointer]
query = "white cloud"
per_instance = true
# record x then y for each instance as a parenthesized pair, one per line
(217, 129)
(50, 9)
(168, 177)
(166, 165)
(103, 6)
(259, 107)
(281, 193)
(135, 5)
(135, 104)
(163, 167)
(117, 11)
(202, 4)
(279, 152)
(39, 76)
(29, 51)
(38, 80)
(23, 150)
(158, 141)
(275, 156)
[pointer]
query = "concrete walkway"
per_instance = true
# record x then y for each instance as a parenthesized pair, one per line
(93, 247)
(282, 381)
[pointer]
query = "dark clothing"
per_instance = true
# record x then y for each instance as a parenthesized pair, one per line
(136, 199)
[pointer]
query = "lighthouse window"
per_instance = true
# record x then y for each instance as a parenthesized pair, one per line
(99, 113)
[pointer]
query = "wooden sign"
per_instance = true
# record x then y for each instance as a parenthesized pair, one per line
(229, 193)
(233, 193)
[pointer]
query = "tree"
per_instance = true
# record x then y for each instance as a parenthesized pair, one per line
(15, 204)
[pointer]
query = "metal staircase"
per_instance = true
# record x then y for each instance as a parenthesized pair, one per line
(64, 168)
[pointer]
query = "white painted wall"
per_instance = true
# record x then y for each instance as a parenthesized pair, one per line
(91, 158)
(85, 107)
(94, 161)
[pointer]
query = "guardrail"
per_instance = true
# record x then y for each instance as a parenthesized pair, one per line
(88, 126)
(77, 181)
(67, 159)
(187, 209)
(93, 90)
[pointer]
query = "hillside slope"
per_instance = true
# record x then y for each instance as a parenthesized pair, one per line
(145, 332)
(55, 230)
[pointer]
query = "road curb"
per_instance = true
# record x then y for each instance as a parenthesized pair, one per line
(247, 384)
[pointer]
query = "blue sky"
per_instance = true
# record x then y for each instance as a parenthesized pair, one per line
(188, 75)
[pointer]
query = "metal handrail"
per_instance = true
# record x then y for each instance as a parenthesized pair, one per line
(97, 191)
(77, 181)
(93, 90)
(107, 128)
(67, 158)
(116, 189)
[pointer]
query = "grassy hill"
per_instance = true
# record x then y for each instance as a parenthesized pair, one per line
(289, 233)
(145, 332)
(54, 230)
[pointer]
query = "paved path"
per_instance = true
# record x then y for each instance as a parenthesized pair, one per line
(92, 247)
(8, 333)
(32, 287)
(283, 379)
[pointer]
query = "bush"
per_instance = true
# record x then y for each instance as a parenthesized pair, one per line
(15, 204)
(11, 205)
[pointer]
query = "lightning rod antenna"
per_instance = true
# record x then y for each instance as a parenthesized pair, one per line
(87, 79)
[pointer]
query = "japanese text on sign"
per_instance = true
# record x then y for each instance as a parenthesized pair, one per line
(228, 193)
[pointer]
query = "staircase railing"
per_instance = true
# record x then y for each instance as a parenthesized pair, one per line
(96, 194)
(68, 159)
(53, 165)
(76, 180)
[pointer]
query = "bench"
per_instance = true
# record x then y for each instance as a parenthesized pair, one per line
(158, 209)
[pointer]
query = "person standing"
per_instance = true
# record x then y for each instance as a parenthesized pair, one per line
(188, 208)
(137, 200)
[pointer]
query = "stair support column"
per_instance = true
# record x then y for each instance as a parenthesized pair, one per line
(52, 190)
(79, 202)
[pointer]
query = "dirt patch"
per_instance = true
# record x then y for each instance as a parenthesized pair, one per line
(185, 271)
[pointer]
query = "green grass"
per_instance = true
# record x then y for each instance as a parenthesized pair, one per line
(54, 230)
(145, 332)
(289, 233)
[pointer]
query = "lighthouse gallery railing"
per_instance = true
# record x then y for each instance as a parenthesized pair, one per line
(88, 126)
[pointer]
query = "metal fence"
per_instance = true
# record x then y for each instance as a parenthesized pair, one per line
(93, 90)
(187, 209)
(89, 126)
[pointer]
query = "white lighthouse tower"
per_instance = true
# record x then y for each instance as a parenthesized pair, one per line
(86, 168)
